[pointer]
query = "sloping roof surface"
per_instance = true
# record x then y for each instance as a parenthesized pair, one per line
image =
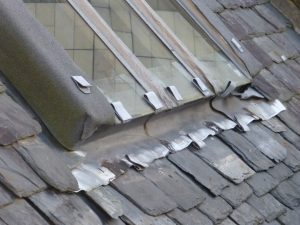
(238, 178)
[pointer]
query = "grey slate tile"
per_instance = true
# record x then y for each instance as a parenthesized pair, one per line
(220, 156)
(17, 176)
(202, 172)
(293, 38)
(228, 222)
(275, 222)
(294, 66)
(293, 157)
(240, 3)
(235, 195)
(292, 137)
(267, 206)
(191, 217)
(144, 193)
(296, 179)
(292, 217)
(175, 184)
(246, 150)
(217, 209)
(133, 215)
(65, 209)
(262, 183)
(265, 141)
(214, 5)
(246, 215)
(271, 14)
(280, 172)
(21, 213)
(288, 193)
(5, 197)
(48, 164)
(15, 123)
(282, 42)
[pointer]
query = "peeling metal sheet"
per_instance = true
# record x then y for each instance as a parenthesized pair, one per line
(121, 112)
(176, 141)
(174, 91)
(249, 93)
(231, 86)
(243, 120)
(82, 84)
(265, 110)
(144, 157)
(90, 176)
(153, 100)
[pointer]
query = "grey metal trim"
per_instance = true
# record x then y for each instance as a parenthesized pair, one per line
(174, 91)
(121, 112)
(82, 84)
(153, 100)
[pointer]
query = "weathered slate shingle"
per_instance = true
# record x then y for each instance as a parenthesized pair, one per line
(246, 215)
(262, 183)
(175, 184)
(235, 195)
(280, 172)
(65, 209)
(191, 217)
(144, 193)
(292, 217)
(202, 173)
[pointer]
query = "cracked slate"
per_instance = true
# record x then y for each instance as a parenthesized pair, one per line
(280, 172)
(53, 170)
(267, 206)
(246, 150)
(292, 217)
(103, 197)
(191, 217)
(220, 156)
(21, 213)
(217, 209)
(172, 181)
(144, 193)
(288, 193)
(65, 209)
(262, 183)
(235, 195)
(265, 141)
(246, 215)
(192, 165)
(17, 176)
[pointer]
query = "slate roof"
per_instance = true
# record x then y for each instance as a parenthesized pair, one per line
(238, 178)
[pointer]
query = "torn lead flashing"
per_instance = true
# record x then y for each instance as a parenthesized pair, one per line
(153, 100)
(121, 112)
(249, 93)
(201, 86)
(174, 91)
(229, 89)
(82, 84)
(237, 44)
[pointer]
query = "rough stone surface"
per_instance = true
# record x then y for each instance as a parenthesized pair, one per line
(235, 195)
(262, 183)
(246, 215)
(280, 172)
(191, 217)
(292, 217)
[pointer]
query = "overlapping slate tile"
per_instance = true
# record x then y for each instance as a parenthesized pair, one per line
(292, 217)
(293, 38)
(104, 198)
(293, 157)
(288, 193)
(240, 3)
(65, 209)
(292, 137)
(271, 87)
(280, 172)
(217, 209)
(265, 141)
(271, 14)
(202, 173)
(246, 150)
(294, 66)
(235, 195)
(175, 184)
(262, 183)
(20, 213)
(15, 123)
(191, 217)
(16, 175)
(267, 206)
(291, 116)
(133, 215)
(220, 156)
(246, 215)
(214, 5)
(144, 193)
(275, 125)
(48, 164)
(296, 179)
(282, 42)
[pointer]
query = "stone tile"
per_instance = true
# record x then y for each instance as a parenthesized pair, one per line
(65, 209)
(292, 137)
(275, 222)
(228, 222)
(287, 47)
(267, 206)
(144, 193)
(191, 217)
(235, 195)
(293, 156)
(217, 209)
(293, 38)
(214, 5)
(296, 179)
(294, 66)
(220, 156)
(288, 193)
(20, 213)
(53, 170)
(246, 215)
(191, 164)
(265, 140)
(262, 183)
(280, 172)
(175, 184)
(292, 217)
(246, 150)
(6, 197)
